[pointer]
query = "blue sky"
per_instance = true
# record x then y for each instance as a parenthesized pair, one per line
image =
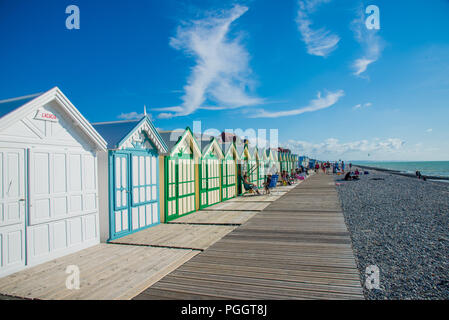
(309, 68)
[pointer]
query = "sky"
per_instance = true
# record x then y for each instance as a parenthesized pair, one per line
(337, 81)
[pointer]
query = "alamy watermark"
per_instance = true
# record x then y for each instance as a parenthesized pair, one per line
(72, 282)
(73, 20)
(373, 20)
(372, 280)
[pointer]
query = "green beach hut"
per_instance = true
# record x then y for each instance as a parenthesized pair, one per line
(180, 173)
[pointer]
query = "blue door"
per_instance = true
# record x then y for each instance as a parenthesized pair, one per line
(135, 192)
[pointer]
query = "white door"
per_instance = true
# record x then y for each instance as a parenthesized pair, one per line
(12, 210)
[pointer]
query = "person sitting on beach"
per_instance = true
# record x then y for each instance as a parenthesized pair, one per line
(249, 186)
(357, 172)
(293, 175)
(350, 176)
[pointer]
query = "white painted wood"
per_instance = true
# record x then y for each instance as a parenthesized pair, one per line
(12, 210)
(58, 168)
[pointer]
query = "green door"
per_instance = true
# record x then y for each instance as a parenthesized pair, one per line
(180, 186)
(209, 181)
(228, 179)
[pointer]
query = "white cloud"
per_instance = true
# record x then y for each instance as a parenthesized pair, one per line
(131, 115)
(319, 42)
(316, 104)
(429, 130)
(372, 44)
(360, 105)
(333, 149)
(221, 74)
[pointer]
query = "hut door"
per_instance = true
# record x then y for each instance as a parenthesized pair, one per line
(171, 207)
(144, 196)
(186, 186)
(224, 180)
(203, 183)
(12, 205)
(231, 178)
(135, 192)
(228, 179)
(213, 181)
(209, 182)
(121, 195)
(261, 173)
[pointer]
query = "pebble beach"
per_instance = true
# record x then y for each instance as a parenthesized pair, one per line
(401, 225)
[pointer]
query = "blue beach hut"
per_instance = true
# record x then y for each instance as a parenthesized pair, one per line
(129, 177)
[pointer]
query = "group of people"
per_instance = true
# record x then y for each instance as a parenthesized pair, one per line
(285, 178)
(420, 176)
(352, 176)
(337, 167)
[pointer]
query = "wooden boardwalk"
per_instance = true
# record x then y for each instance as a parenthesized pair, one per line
(181, 236)
(107, 271)
(298, 247)
(249, 205)
(216, 217)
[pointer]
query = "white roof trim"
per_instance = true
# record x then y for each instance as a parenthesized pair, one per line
(216, 147)
(73, 113)
(150, 131)
(196, 149)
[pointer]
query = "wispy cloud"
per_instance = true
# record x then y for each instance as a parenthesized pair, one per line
(371, 43)
(333, 148)
(362, 105)
(221, 74)
(319, 42)
(316, 104)
(429, 130)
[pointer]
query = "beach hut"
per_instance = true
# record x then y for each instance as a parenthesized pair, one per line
(253, 165)
(180, 173)
(261, 165)
(229, 171)
(210, 172)
(282, 160)
(274, 152)
(270, 165)
(243, 167)
(129, 177)
(48, 180)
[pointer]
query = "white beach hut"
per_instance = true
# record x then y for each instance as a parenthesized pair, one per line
(48, 180)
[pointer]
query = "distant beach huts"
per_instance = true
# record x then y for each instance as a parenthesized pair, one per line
(66, 184)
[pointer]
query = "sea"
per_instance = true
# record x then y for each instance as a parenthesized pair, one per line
(429, 168)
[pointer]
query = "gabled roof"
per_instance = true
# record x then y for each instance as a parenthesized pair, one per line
(241, 147)
(173, 137)
(262, 154)
(113, 132)
(213, 144)
(227, 147)
(203, 140)
(252, 152)
(117, 133)
(12, 110)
